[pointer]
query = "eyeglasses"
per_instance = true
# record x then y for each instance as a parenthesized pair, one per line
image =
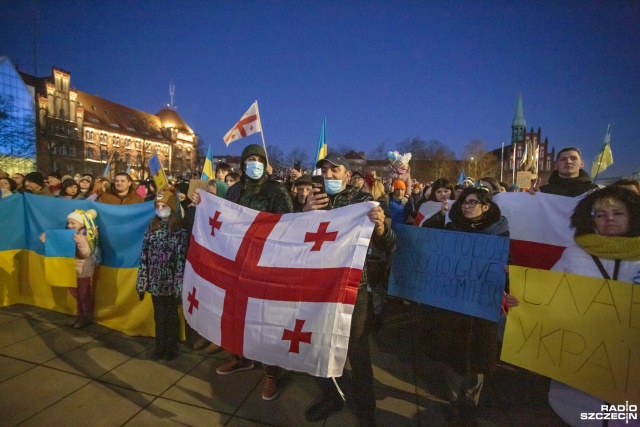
(471, 203)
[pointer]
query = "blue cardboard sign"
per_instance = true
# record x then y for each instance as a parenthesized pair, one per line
(462, 272)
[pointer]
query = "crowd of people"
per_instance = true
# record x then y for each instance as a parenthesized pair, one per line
(606, 222)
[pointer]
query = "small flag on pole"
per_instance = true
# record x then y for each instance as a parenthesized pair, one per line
(462, 177)
(107, 170)
(128, 171)
(249, 124)
(322, 141)
(207, 169)
(604, 159)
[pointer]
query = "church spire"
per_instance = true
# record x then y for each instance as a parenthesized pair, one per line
(519, 125)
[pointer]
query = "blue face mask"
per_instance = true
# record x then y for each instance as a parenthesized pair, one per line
(333, 186)
(254, 170)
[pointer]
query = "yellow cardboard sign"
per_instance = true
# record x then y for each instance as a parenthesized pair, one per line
(582, 331)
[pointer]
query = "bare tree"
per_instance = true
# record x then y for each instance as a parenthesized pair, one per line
(478, 161)
(17, 136)
(276, 156)
(379, 152)
(299, 155)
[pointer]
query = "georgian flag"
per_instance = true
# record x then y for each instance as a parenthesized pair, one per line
(275, 288)
(429, 209)
(248, 124)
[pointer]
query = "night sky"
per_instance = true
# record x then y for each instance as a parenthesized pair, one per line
(380, 72)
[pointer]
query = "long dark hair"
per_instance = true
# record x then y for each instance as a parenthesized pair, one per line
(490, 217)
(66, 184)
(441, 183)
(582, 217)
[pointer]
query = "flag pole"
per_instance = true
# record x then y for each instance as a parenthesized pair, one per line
(502, 161)
(261, 132)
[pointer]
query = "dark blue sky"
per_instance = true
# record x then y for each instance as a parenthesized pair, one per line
(379, 71)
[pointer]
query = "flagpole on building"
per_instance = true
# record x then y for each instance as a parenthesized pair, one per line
(262, 132)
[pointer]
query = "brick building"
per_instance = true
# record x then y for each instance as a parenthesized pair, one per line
(77, 132)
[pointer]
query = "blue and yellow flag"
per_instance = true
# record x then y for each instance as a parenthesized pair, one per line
(23, 258)
(322, 142)
(207, 169)
(157, 173)
(604, 159)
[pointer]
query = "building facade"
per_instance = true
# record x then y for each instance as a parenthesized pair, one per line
(525, 144)
(81, 133)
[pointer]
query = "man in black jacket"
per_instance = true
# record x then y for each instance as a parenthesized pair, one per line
(569, 179)
(337, 173)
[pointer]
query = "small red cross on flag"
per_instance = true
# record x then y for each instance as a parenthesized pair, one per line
(249, 124)
(264, 293)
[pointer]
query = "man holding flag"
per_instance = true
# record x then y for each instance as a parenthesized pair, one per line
(257, 192)
(337, 174)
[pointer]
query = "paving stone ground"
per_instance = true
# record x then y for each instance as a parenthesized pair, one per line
(53, 375)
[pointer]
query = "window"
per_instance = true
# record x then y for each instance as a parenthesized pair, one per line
(116, 156)
(116, 141)
(127, 158)
(89, 153)
(72, 150)
(138, 160)
(104, 155)
(127, 143)
(137, 144)
(62, 150)
(103, 139)
(188, 153)
(179, 154)
(165, 164)
(147, 147)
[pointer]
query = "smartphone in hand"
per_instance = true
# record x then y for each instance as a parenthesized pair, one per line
(317, 181)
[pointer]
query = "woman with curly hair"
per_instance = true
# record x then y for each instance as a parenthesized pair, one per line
(607, 245)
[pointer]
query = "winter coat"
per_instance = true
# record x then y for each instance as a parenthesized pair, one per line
(85, 258)
(113, 199)
(468, 344)
(570, 187)
(261, 194)
(162, 261)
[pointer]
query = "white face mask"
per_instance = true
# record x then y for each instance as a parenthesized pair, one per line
(163, 213)
(254, 170)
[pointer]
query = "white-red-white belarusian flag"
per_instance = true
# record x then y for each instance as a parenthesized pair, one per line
(429, 209)
(276, 288)
(248, 124)
(539, 226)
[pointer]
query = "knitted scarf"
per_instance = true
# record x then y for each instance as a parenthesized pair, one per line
(623, 248)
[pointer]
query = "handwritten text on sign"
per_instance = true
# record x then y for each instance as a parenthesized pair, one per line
(462, 272)
(583, 331)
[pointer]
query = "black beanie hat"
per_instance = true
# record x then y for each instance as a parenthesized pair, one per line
(35, 177)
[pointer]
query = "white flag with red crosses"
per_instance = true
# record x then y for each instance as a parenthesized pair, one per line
(248, 124)
(276, 288)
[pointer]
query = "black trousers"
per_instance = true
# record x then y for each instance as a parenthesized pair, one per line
(165, 314)
(359, 355)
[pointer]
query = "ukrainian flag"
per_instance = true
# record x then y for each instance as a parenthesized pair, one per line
(207, 169)
(322, 142)
(604, 159)
(24, 259)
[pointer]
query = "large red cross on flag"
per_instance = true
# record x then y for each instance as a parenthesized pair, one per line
(276, 288)
(248, 124)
